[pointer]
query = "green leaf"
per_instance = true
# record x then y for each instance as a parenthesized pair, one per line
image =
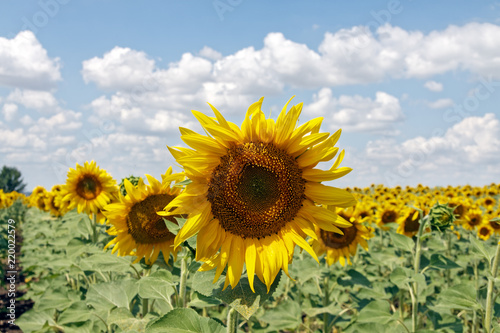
(461, 297)
(107, 295)
(305, 269)
(399, 276)
(354, 278)
(158, 285)
(479, 248)
(184, 321)
(201, 301)
(77, 312)
(440, 261)
(241, 298)
(171, 226)
(126, 321)
(183, 183)
(286, 316)
(35, 320)
(402, 242)
(378, 312)
(105, 262)
(60, 299)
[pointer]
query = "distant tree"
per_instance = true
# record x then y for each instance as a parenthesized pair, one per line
(10, 180)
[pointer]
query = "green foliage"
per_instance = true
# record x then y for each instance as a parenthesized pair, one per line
(78, 287)
(11, 180)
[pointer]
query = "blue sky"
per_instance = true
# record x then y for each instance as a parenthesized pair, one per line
(415, 85)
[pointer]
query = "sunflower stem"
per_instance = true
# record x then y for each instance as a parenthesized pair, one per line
(182, 285)
(418, 253)
(475, 321)
(326, 302)
(94, 228)
(232, 321)
(489, 295)
(145, 301)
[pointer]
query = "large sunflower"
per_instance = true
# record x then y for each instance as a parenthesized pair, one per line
(255, 191)
(340, 247)
(137, 227)
(89, 188)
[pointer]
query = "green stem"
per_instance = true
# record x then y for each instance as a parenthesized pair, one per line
(232, 321)
(448, 254)
(145, 301)
(489, 295)
(418, 253)
(94, 228)
(326, 302)
(182, 285)
(145, 307)
(475, 322)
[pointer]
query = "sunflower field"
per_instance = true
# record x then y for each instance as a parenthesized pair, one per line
(251, 236)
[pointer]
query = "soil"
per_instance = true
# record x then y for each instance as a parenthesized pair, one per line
(21, 305)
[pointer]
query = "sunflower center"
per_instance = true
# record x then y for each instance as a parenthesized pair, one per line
(484, 231)
(89, 187)
(144, 225)
(474, 220)
(389, 216)
(338, 241)
(256, 190)
(412, 224)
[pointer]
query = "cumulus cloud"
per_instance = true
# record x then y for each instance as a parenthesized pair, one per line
(42, 101)
(357, 113)
(9, 110)
(433, 86)
(210, 53)
(441, 103)
(24, 63)
(468, 151)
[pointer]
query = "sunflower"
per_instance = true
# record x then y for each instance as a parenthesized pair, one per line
(339, 247)
(472, 218)
(255, 191)
(408, 222)
(137, 227)
(484, 231)
(387, 213)
(89, 188)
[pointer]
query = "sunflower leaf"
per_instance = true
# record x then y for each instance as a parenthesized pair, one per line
(460, 297)
(184, 320)
(377, 311)
(402, 242)
(241, 298)
(171, 226)
(440, 261)
(183, 183)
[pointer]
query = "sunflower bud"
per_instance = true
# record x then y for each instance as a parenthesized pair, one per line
(441, 216)
(133, 179)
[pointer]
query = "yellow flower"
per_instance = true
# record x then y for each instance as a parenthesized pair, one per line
(408, 222)
(89, 188)
(472, 218)
(341, 247)
(138, 229)
(484, 231)
(255, 190)
(387, 213)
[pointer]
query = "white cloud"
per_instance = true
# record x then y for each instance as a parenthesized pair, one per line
(24, 63)
(441, 103)
(42, 101)
(121, 69)
(433, 86)
(9, 111)
(210, 53)
(357, 113)
(466, 153)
